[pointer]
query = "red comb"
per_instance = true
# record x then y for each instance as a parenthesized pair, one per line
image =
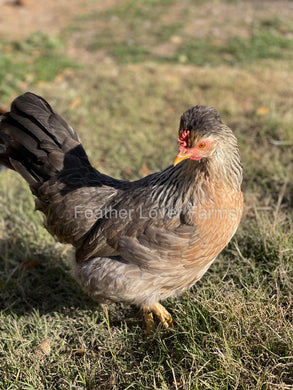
(183, 138)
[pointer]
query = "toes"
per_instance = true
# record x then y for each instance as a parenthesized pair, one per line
(166, 321)
(163, 315)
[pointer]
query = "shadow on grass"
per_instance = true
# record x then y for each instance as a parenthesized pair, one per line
(42, 282)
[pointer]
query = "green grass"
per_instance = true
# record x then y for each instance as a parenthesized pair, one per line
(261, 45)
(39, 58)
(233, 330)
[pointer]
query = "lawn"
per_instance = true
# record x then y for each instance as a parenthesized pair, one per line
(122, 76)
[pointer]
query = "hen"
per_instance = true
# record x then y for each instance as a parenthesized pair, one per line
(136, 242)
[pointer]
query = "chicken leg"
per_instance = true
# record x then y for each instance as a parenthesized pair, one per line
(163, 315)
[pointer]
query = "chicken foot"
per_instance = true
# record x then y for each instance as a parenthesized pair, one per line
(163, 315)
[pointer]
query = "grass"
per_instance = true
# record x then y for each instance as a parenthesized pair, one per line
(233, 330)
(136, 31)
(38, 58)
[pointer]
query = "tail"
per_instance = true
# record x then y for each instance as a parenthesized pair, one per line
(37, 143)
(34, 140)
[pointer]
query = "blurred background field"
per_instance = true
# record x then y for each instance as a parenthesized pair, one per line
(122, 73)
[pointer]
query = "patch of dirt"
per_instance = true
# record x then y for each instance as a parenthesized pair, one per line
(20, 18)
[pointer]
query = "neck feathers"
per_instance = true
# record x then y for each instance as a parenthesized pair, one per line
(195, 182)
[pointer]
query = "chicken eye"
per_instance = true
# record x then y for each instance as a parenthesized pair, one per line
(202, 145)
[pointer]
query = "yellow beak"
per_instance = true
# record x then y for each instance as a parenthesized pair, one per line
(180, 157)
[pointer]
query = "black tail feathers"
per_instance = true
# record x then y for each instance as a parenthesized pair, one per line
(34, 140)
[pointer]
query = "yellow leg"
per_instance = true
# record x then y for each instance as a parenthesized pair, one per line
(148, 320)
(163, 315)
